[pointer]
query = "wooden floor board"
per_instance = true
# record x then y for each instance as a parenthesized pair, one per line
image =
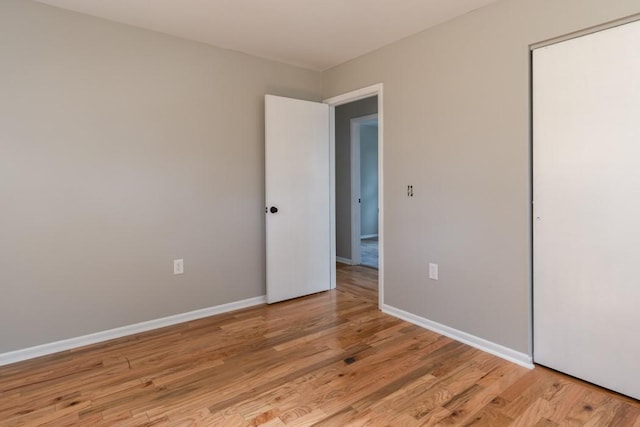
(329, 359)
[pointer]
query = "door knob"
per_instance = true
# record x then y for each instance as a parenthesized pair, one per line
(273, 209)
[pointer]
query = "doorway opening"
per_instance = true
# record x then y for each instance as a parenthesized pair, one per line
(358, 192)
(364, 190)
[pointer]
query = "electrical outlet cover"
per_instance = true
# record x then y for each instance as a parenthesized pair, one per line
(433, 271)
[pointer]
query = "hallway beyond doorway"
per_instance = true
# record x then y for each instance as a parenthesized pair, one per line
(369, 252)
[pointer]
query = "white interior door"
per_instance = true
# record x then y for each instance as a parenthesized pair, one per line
(297, 186)
(586, 124)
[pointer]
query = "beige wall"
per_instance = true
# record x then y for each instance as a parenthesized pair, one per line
(120, 150)
(456, 110)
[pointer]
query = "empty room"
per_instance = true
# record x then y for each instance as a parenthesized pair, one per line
(319, 212)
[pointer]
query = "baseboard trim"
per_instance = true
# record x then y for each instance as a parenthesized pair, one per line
(344, 260)
(368, 236)
(71, 343)
(503, 352)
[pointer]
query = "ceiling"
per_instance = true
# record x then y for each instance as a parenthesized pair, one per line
(314, 34)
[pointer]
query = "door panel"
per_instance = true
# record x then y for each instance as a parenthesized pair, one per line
(587, 207)
(298, 185)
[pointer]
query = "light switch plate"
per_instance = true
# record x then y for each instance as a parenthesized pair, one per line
(178, 266)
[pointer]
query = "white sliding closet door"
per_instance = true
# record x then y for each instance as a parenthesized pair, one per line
(586, 127)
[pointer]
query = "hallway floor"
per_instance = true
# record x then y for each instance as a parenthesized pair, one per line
(369, 252)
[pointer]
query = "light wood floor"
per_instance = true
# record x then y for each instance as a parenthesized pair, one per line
(330, 359)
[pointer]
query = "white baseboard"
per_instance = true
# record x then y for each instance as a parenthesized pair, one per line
(368, 236)
(68, 344)
(344, 260)
(506, 353)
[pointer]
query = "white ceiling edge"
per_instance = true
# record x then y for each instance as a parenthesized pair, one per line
(312, 34)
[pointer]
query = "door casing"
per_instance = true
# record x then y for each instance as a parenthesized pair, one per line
(356, 95)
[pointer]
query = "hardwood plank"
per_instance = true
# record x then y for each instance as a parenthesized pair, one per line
(626, 416)
(328, 359)
(488, 417)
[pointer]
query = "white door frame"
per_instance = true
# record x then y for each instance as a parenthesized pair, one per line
(356, 205)
(366, 92)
